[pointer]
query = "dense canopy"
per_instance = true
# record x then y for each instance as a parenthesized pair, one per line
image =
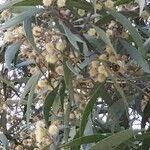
(74, 74)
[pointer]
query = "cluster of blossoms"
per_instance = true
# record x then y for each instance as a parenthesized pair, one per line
(60, 3)
(118, 64)
(14, 35)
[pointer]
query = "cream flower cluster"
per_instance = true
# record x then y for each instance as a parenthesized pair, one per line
(60, 3)
(14, 35)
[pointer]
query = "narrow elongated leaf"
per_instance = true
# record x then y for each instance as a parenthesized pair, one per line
(128, 25)
(24, 63)
(18, 19)
(30, 3)
(79, 4)
(114, 140)
(27, 25)
(21, 9)
(29, 102)
(115, 111)
(48, 104)
(89, 107)
(4, 141)
(134, 54)
(62, 93)
(72, 69)
(29, 84)
(73, 39)
(120, 2)
(104, 37)
(141, 78)
(67, 75)
(10, 53)
(9, 4)
(84, 140)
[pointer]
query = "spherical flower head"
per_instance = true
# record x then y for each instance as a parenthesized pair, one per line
(98, 6)
(95, 64)
(37, 31)
(109, 3)
(19, 147)
(53, 130)
(109, 32)
(60, 45)
(93, 72)
(61, 3)
(103, 57)
(101, 78)
(39, 134)
(102, 70)
(49, 47)
(52, 59)
(5, 14)
(81, 12)
(59, 70)
(8, 36)
(112, 59)
(19, 32)
(92, 32)
(40, 123)
(47, 2)
(40, 131)
(41, 84)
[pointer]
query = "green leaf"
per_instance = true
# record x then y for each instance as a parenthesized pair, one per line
(97, 93)
(74, 39)
(120, 2)
(27, 25)
(98, 44)
(115, 111)
(114, 140)
(55, 107)
(50, 98)
(30, 3)
(67, 75)
(134, 54)
(133, 32)
(84, 140)
(79, 4)
(4, 141)
(34, 79)
(8, 4)
(18, 19)
(104, 37)
(10, 53)
(72, 69)
(141, 78)
(21, 9)
(30, 97)
(62, 93)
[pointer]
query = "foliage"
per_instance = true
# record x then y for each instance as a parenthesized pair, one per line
(75, 74)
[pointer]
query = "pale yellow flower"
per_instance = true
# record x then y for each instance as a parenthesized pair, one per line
(109, 3)
(53, 130)
(61, 3)
(59, 70)
(61, 45)
(98, 6)
(47, 2)
(52, 59)
(101, 78)
(92, 32)
(81, 12)
(8, 36)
